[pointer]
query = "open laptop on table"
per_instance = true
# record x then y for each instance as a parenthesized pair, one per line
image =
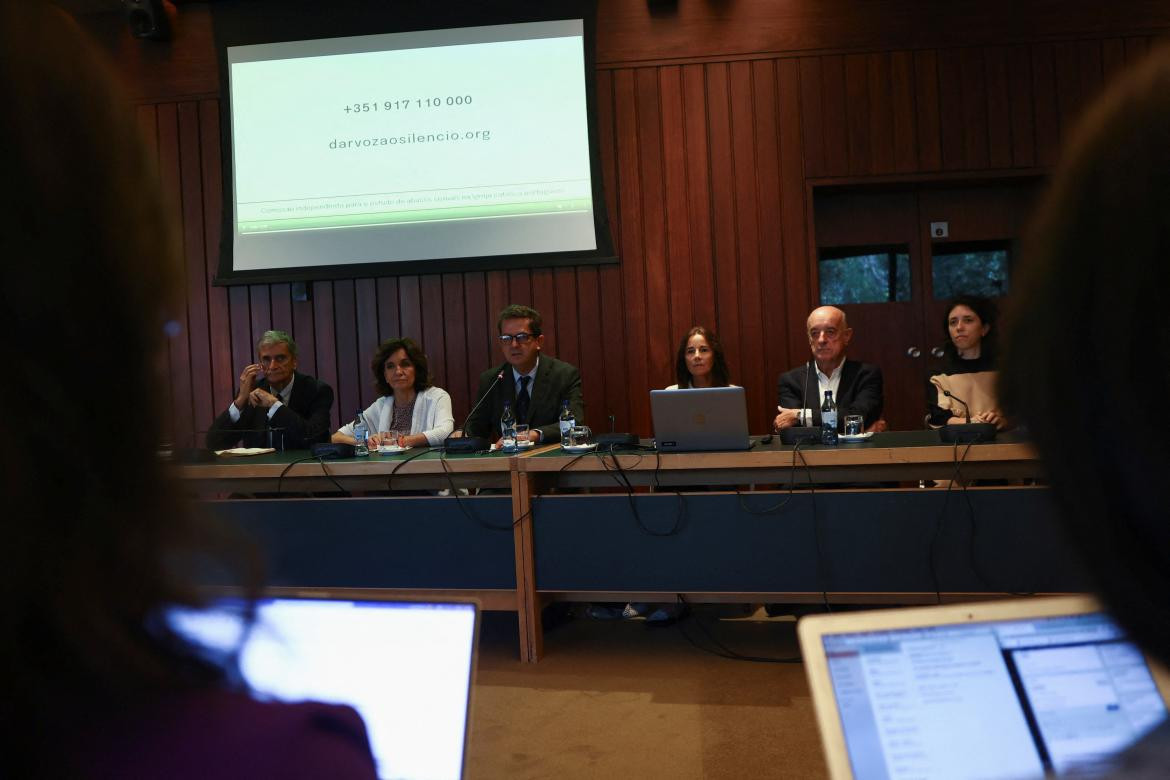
(701, 418)
(999, 689)
(405, 666)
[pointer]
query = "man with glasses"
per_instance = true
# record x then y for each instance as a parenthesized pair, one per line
(857, 387)
(276, 406)
(536, 385)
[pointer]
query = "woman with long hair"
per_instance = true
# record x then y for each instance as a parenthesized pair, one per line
(99, 541)
(968, 371)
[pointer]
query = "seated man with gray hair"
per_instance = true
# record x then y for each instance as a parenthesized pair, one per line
(276, 406)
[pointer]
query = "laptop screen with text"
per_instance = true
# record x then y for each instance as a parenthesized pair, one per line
(1029, 697)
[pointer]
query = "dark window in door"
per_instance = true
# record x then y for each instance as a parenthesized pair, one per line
(979, 268)
(875, 274)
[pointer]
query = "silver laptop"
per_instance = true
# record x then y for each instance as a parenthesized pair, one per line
(1000, 689)
(703, 418)
(406, 667)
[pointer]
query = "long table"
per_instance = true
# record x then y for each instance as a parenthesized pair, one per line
(699, 531)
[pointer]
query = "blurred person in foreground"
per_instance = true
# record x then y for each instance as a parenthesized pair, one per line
(97, 541)
(1085, 356)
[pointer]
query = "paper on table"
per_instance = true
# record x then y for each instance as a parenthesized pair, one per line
(243, 451)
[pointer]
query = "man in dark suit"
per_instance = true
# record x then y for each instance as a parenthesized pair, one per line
(857, 387)
(276, 406)
(536, 385)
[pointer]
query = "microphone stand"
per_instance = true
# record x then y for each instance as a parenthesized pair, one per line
(968, 432)
(467, 444)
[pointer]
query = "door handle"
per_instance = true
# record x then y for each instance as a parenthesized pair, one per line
(938, 352)
(914, 352)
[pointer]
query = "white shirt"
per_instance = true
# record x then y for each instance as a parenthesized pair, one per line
(281, 399)
(831, 382)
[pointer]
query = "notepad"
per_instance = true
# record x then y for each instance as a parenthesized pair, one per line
(236, 452)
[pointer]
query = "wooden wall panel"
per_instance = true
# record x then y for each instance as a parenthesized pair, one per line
(1044, 104)
(999, 116)
(928, 111)
(952, 124)
(631, 248)
(749, 166)
(792, 305)
(1019, 65)
(881, 112)
(723, 211)
(771, 93)
(650, 140)
(698, 184)
(973, 78)
(675, 192)
(903, 113)
(858, 132)
(834, 119)
(707, 168)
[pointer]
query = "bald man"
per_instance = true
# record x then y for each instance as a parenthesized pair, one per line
(857, 387)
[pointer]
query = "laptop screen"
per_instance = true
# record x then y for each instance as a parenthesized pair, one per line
(1014, 698)
(405, 667)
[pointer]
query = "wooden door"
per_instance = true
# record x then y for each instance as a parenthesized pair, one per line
(872, 222)
(903, 332)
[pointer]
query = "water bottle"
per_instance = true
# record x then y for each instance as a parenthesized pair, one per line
(829, 420)
(567, 421)
(508, 426)
(361, 436)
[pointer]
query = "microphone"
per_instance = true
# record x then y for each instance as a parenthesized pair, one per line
(804, 432)
(966, 408)
(968, 432)
(804, 393)
(472, 443)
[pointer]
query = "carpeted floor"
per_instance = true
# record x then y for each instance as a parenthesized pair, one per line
(618, 700)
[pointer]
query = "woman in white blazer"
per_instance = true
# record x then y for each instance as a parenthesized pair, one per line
(407, 402)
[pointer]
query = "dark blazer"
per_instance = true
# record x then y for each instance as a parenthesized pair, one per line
(305, 419)
(860, 391)
(556, 380)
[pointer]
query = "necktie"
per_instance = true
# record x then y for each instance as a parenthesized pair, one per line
(522, 400)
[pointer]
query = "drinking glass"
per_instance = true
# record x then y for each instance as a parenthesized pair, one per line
(854, 424)
(522, 439)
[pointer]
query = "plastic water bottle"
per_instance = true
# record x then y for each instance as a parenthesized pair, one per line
(829, 420)
(567, 421)
(508, 426)
(361, 436)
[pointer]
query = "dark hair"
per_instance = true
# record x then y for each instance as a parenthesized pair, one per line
(93, 551)
(422, 375)
(517, 311)
(720, 376)
(986, 312)
(1095, 263)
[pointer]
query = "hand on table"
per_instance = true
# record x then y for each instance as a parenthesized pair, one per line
(787, 418)
(995, 418)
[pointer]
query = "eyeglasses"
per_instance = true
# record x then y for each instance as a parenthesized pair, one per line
(519, 338)
(266, 359)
